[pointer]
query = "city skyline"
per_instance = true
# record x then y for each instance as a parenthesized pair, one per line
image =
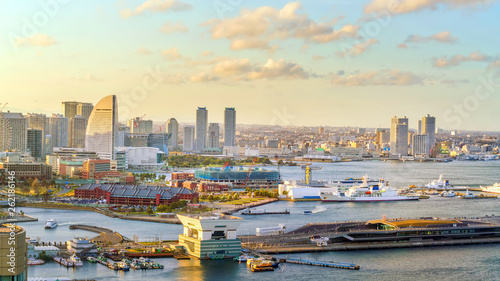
(303, 64)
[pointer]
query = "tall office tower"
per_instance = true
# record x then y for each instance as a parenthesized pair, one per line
(14, 249)
(201, 128)
(47, 145)
(69, 108)
(140, 126)
(13, 135)
(429, 127)
(188, 140)
(122, 131)
(77, 129)
(419, 130)
(35, 142)
(213, 135)
(59, 130)
(84, 109)
(173, 129)
(399, 136)
(420, 144)
(229, 126)
(102, 128)
(40, 122)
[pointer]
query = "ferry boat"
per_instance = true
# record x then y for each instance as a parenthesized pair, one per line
(441, 184)
(76, 260)
(492, 189)
(32, 261)
(367, 193)
(52, 223)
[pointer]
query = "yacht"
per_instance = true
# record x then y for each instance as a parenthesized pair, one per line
(76, 260)
(52, 223)
(492, 189)
(448, 194)
(32, 261)
(366, 193)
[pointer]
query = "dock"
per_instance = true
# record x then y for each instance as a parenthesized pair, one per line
(250, 212)
(341, 265)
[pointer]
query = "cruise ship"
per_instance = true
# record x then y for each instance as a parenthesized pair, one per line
(52, 223)
(492, 189)
(441, 184)
(366, 193)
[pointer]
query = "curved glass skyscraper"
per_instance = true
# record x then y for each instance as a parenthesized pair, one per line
(102, 128)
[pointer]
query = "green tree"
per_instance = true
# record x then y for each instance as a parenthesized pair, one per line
(149, 210)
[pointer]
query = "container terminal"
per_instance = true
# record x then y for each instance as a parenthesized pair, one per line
(378, 234)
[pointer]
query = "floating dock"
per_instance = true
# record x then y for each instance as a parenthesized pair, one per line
(258, 212)
(341, 265)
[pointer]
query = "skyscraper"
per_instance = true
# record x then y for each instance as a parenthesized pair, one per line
(213, 136)
(188, 140)
(173, 129)
(69, 108)
(420, 144)
(40, 122)
(59, 129)
(140, 126)
(229, 126)
(399, 136)
(429, 128)
(77, 129)
(35, 142)
(84, 109)
(13, 131)
(201, 128)
(102, 128)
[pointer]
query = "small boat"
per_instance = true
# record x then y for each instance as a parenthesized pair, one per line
(92, 259)
(448, 194)
(75, 260)
(64, 262)
(307, 212)
(32, 261)
(49, 224)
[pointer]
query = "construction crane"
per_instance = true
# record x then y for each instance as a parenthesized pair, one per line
(1, 109)
(309, 170)
(250, 171)
(137, 123)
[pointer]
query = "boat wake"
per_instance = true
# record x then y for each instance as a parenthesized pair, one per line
(319, 209)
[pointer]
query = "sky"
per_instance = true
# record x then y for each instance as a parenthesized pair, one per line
(289, 63)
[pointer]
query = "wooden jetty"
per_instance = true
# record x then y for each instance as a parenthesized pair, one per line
(341, 265)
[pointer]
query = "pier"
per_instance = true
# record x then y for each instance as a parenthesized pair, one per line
(341, 265)
(105, 235)
(249, 212)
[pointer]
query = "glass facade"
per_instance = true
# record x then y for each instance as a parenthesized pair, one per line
(102, 128)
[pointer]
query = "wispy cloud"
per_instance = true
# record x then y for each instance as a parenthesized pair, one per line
(155, 6)
(143, 51)
(358, 49)
(458, 59)
(39, 39)
(172, 54)
(409, 6)
(443, 37)
(170, 27)
(377, 77)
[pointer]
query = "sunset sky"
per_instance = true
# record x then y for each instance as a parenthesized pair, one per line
(324, 62)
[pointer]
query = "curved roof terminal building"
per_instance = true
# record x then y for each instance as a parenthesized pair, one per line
(102, 128)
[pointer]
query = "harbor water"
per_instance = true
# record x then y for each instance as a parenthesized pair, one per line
(474, 262)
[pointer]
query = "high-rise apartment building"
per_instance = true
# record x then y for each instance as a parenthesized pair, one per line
(35, 142)
(77, 129)
(229, 126)
(140, 126)
(399, 136)
(40, 122)
(13, 134)
(420, 144)
(59, 130)
(213, 136)
(173, 129)
(429, 128)
(84, 109)
(188, 139)
(201, 128)
(102, 128)
(72, 108)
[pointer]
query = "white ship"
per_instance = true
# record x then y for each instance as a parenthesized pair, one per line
(75, 260)
(366, 193)
(441, 184)
(492, 189)
(52, 223)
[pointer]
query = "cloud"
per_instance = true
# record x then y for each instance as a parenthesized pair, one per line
(494, 64)
(381, 77)
(232, 67)
(358, 49)
(207, 54)
(443, 37)
(403, 46)
(316, 57)
(458, 59)
(171, 54)
(203, 77)
(278, 69)
(169, 27)
(259, 28)
(143, 51)
(39, 39)
(155, 6)
(454, 82)
(409, 6)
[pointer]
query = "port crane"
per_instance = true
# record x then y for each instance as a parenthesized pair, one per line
(309, 170)
(1, 109)
(250, 171)
(137, 123)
